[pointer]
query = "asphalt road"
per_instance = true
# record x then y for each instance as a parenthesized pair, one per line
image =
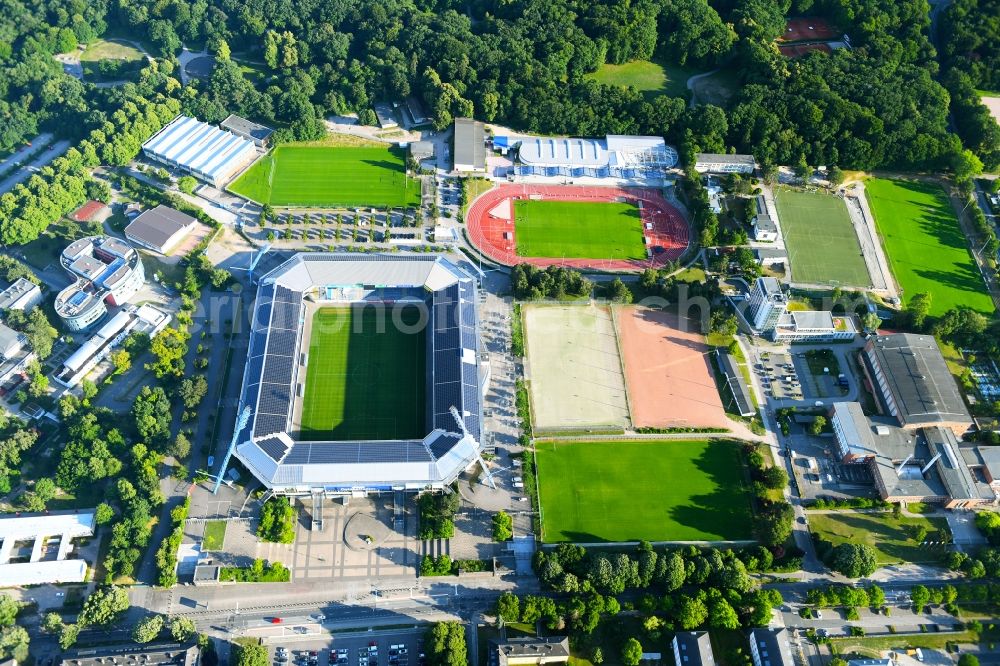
(41, 160)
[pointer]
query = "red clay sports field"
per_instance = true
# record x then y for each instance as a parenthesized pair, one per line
(491, 224)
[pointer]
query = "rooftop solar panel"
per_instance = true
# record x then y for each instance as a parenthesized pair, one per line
(274, 399)
(281, 341)
(443, 443)
(446, 396)
(273, 447)
(278, 369)
(449, 338)
(286, 295)
(286, 315)
(268, 424)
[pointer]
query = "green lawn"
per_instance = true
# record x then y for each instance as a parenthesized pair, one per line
(887, 535)
(652, 78)
(215, 535)
(365, 378)
(122, 60)
(578, 229)
(926, 247)
(633, 490)
(295, 175)
(822, 245)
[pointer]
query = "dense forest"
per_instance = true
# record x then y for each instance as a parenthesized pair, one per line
(520, 62)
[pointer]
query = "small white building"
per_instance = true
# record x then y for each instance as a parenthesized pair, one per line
(22, 294)
(813, 326)
(11, 342)
(35, 549)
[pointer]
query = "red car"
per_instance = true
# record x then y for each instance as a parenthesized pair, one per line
(275, 620)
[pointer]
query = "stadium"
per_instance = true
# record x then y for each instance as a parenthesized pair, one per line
(633, 159)
(363, 375)
(597, 228)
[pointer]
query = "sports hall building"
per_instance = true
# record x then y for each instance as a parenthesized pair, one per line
(205, 151)
(270, 444)
(625, 158)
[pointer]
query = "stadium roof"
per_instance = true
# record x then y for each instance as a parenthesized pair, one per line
(199, 147)
(737, 385)
(912, 370)
(267, 444)
(545, 151)
(723, 158)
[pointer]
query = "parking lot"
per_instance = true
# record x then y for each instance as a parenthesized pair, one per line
(398, 648)
(778, 376)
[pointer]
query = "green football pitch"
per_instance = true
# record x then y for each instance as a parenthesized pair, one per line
(365, 378)
(926, 247)
(578, 230)
(822, 245)
(319, 176)
(633, 490)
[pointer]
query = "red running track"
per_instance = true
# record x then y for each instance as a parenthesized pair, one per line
(487, 232)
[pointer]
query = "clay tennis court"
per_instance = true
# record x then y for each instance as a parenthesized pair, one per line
(573, 368)
(667, 371)
(491, 225)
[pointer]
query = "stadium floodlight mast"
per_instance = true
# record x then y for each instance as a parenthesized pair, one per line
(253, 262)
(479, 456)
(241, 423)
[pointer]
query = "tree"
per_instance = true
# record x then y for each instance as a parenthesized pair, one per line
(966, 165)
(871, 321)
(816, 428)
(169, 347)
(181, 628)
(619, 292)
(186, 184)
(854, 560)
(835, 176)
(14, 643)
(918, 308)
(632, 652)
(508, 608)
(723, 616)
(920, 595)
(193, 390)
(103, 514)
(277, 521)
(180, 448)
(774, 477)
(252, 654)
(151, 411)
(52, 623)
(691, 613)
(104, 606)
(968, 659)
(148, 629)
(597, 655)
(503, 526)
(68, 635)
(8, 610)
(445, 645)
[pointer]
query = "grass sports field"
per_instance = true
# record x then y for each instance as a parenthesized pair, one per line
(320, 176)
(362, 383)
(631, 490)
(822, 245)
(926, 247)
(646, 76)
(578, 230)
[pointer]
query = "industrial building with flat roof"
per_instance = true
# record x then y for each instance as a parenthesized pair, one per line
(36, 549)
(249, 130)
(160, 229)
(143, 319)
(470, 145)
(913, 384)
(214, 155)
(106, 271)
(269, 444)
(813, 326)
